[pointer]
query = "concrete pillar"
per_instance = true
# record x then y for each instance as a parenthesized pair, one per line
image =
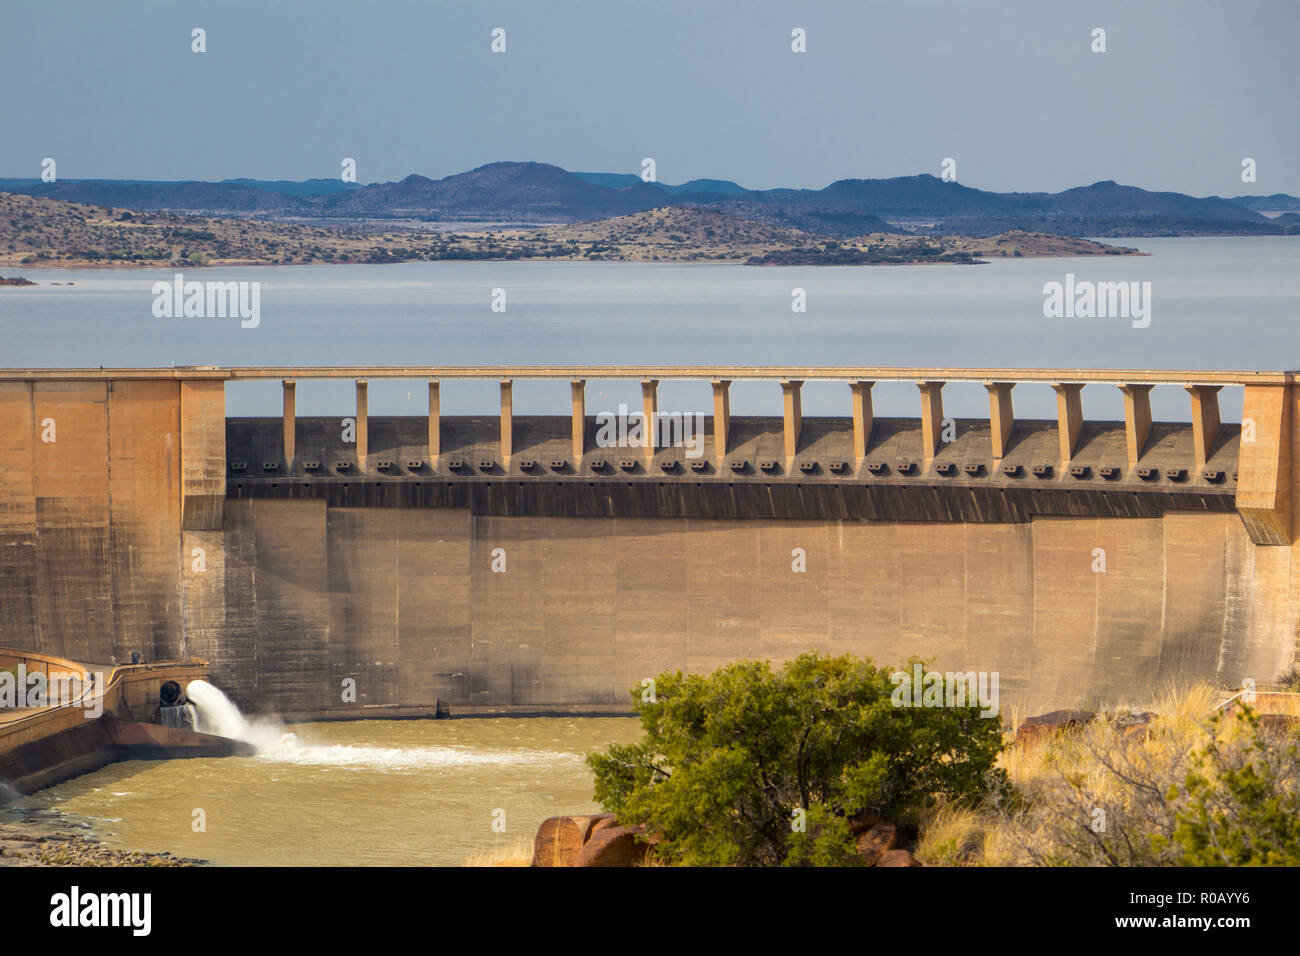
(793, 406)
(363, 422)
(1205, 420)
(1002, 418)
(863, 419)
(1264, 463)
(290, 421)
(1069, 418)
(578, 390)
(203, 454)
(1137, 420)
(721, 417)
(650, 414)
(931, 420)
(435, 423)
(507, 421)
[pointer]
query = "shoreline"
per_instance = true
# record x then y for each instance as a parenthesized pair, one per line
(97, 265)
(47, 233)
(32, 841)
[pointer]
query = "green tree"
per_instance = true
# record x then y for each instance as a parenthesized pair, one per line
(1240, 806)
(751, 767)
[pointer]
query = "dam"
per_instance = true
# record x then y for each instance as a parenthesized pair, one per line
(389, 566)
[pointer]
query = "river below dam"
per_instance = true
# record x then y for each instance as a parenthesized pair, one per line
(354, 793)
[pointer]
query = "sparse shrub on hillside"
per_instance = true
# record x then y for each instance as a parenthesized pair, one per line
(1195, 787)
(731, 764)
(1240, 805)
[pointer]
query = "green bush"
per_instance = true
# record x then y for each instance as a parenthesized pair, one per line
(1239, 806)
(729, 765)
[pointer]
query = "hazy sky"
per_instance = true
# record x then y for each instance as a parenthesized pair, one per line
(709, 88)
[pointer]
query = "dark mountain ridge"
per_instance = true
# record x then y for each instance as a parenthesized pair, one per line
(541, 193)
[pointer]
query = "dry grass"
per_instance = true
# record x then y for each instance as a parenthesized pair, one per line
(518, 854)
(1093, 773)
(951, 835)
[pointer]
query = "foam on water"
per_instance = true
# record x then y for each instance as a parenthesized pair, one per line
(292, 750)
(217, 714)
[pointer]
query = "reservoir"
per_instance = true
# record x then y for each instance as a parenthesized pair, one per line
(1222, 302)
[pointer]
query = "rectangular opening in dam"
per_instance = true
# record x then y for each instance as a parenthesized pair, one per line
(820, 398)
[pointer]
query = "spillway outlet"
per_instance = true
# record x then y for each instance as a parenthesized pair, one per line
(171, 694)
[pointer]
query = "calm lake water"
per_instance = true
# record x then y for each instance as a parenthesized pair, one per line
(375, 792)
(1217, 303)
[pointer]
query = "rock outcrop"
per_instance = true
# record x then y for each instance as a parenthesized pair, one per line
(613, 846)
(873, 844)
(596, 840)
(560, 840)
(1037, 729)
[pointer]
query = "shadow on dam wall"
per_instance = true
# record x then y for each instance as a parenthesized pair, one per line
(513, 565)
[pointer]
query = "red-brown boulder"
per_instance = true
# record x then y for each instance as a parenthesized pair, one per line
(613, 846)
(559, 840)
(864, 820)
(1037, 729)
(1135, 725)
(876, 842)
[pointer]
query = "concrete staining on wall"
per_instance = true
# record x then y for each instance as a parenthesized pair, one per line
(406, 602)
(131, 531)
(90, 518)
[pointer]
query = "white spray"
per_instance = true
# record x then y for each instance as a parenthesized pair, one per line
(217, 714)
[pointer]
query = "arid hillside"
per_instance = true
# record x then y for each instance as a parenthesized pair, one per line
(37, 232)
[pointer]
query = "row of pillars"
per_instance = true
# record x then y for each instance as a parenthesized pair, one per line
(1069, 406)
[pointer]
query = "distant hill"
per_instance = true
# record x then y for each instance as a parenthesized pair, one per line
(37, 232)
(183, 197)
(1278, 202)
(497, 192)
(806, 217)
(695, 187)
(308, 187)
(530, 193)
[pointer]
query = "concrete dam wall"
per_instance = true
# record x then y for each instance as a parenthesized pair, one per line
(514, 564)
